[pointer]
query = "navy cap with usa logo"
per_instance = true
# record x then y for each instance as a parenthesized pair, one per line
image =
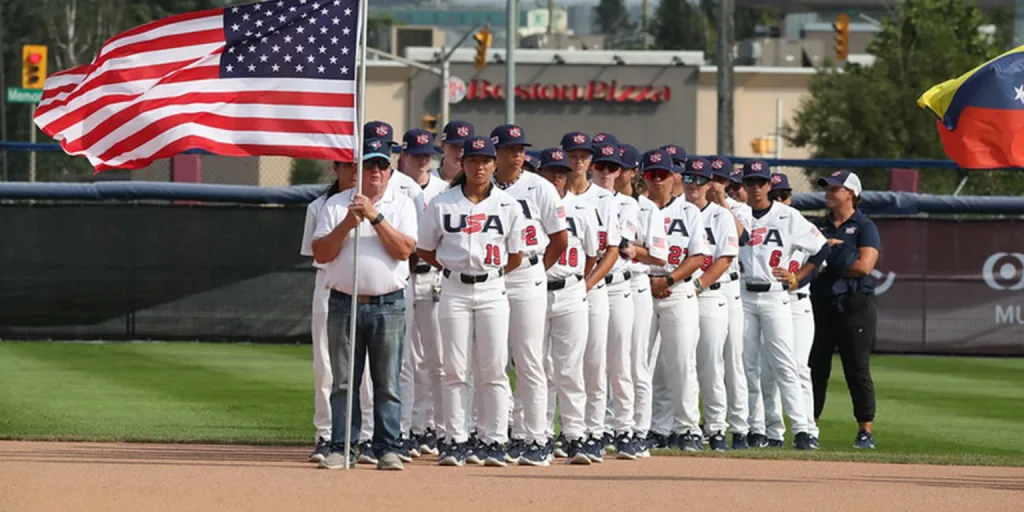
(780, 181)
(630, 156)
(509, 135)
(658, 160)
(555, 157)
(605, 138)
(698, 167)
(379, 130)
(607, 153)
(530, 161)
(757, 169)
(678, 153)
(478, 146)
(418, 141)
(721, 167)
(456, 132)
(576, 140)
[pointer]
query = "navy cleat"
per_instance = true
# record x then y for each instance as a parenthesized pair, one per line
(454, 455)
(534, 455)
(515, 450)
(366, 456)
(802, 441)
(776, 443)
(476, 450)
(576, 453)
(412, 445)
(495, 455)
(656, 440)
(757, 440)
(717, 442)
(607, 441)
(323, 448)
(814, 443)
(624, 447)
(640, 447)
(864, 441)
(739, 442)
(561, 447)
(428, 442)
(549, 449)
(594, 449)
(690, 442)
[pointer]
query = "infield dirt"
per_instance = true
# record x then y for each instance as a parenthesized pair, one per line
(113, 477)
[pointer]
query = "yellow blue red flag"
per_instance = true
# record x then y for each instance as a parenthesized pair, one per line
(981, 113)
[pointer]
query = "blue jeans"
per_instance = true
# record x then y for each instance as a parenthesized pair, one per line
(380, 332)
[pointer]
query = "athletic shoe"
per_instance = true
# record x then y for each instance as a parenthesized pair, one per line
(403, 449)
(323, 447)
(441, 447)
(802, 441)
(776, 443)
(690, 442)
(428, 442)
(476, 453)
(534, 455)
(864, 440)
(561, 447)
(336, 460)
(366, 455)
(594, 449)
(814, 443)
(516, 447)
(549, 450)
(495, 455)
(454, 455)
(672, 440)
(607, 441)
(390, 462)
(412, 445)
(739, 442)
(757, 440)
(576, 453)
(656, 440)
(640, 447)
(717, 442)
(624, 447)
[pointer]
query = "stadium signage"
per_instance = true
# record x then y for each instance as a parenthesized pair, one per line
(594, 90)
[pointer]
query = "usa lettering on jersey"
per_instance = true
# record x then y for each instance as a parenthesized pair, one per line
(681, 219)
(476, 223)
(471, 238)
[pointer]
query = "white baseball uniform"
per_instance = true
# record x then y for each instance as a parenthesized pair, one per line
(472, 243)
(566, 322)
(322, 376)
(651, 235)
(677, 320)
(723, 240)
(543, 215)
(735, 376)
(620, 411)
(774, 238)
(595, 357)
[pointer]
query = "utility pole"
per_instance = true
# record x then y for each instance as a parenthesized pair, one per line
(510, 61)
(643, 24)
(3, 89)
(551, 17)
(1018, 23)
(726, 25)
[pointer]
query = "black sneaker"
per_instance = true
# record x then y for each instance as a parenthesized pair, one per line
(814, 443)
(717, 442)
(594, 449)
(864, 441)
(690, 442)
(549, 450)
(412, 445)
(624, 447)
(640, 447)
(656, 440)
(534, 454)
(608, 442)
(403, 449)
(454, 455)
(476, 450)
(802, 441)
(576, 453)
(757, 440)
(366, 456)
(739, 442)
(495, 455)
(561, 447)
(776, 443)
(428, 442)
(323, 447)
(515, 450)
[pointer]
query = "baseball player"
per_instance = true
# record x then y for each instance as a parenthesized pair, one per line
(647, 248)
(738, 399)
(776, 233)
(453, 136)
(422, 363)
(323, 378)
(565, 325)
(676, 312)
(580, 150)
(473, 232)
(544, 240)
(723, 240)
(678, 155)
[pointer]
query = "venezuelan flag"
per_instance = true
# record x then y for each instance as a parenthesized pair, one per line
(981, 113)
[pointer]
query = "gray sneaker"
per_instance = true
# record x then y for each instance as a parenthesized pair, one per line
(390, 462)
(336, 460)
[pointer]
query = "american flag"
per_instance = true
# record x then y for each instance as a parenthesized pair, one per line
(270, 78)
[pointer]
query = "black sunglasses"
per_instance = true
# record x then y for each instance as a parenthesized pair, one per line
(690, 179)
(607, 167)
(377, 163)
(755, 182)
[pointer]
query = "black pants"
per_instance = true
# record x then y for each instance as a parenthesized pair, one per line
(848, 323)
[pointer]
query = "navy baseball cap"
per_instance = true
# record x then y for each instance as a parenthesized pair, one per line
(379, 130)
(780, 181)
(508, 135)
(736, 176)
(698, 167)
(418, 142)
(576, 140)
(757, 169)
(607, 153)
(376, 148)
(843, 178)
(530, 161)
(474, 146)
(456, 132)
(630, 156)
(721, 167)
(605, 138)
(677, 152)
(657, 160)
(555, 157)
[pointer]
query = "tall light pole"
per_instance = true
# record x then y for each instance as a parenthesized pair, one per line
(726, 10)
(510, 61)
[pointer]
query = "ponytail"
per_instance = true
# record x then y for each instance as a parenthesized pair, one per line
(333, 189)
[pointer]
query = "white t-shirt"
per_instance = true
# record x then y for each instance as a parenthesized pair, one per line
(609, 231)
(651, 234)
(379, 273)
(774, 238)
(472, 238)
(543, 213)
(684, 232)
(313, 211)
(581, 219)
(721, 236)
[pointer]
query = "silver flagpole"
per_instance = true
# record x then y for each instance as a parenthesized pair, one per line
(357, 157)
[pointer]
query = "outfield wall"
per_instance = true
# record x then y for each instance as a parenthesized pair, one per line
(122, 271)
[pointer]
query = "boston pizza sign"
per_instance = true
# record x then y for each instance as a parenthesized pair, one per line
(594, 90)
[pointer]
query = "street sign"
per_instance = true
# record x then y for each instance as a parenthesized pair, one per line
(21, 95)
(456, 90)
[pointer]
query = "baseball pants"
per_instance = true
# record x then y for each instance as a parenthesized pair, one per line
(426, 353)
(714, 328)
(406, 379)
(565, 336)
(769, 328)
(677, 319)
(735, 376)
(474, 322)
(595, 360)
(803, 339)
(643, 306)
(528, 303)
(661, 395)
(323, 378)
(620, 356)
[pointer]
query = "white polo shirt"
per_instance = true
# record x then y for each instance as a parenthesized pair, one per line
(379, 273)
(312, 214)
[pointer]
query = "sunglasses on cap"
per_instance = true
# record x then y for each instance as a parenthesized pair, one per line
(378, 164)
(657, 175)
(606, 167)
(690, 179)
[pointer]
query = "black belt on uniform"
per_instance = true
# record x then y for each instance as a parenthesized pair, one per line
(387, 298)
(558, 284)
(715, 286)
(734, 276)
(421, 269)
(533, 260)
(472, 279)
(801, 296)
(626, 276)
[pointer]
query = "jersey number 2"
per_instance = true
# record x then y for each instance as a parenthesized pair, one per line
(493, 255)
(530, 235)
(676, 255)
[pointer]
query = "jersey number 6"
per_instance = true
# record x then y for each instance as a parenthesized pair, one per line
(775, 259)
(493, 256)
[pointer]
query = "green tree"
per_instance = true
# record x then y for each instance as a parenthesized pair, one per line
(872, 112)
(612, 18)
(306, 172)
(678, 25)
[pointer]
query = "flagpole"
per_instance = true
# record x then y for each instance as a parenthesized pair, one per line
(357, 156)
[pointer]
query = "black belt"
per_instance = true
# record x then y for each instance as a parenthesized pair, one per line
(387, 298)
(715, 286)
(421, 269)
(734, 276)
(472, 279)
(801, 296)
(758, 287)
(533, 260)
(626, 276)
(558, 284)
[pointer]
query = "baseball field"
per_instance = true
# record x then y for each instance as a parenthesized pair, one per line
(228, 426)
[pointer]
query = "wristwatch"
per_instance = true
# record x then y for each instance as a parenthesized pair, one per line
(378, 219)
(669, 280)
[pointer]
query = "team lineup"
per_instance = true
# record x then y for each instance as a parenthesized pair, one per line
(644, 299)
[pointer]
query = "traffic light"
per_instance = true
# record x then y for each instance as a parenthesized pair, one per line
(483, 42)
(430, 124)
(33, 66)
(842, 28)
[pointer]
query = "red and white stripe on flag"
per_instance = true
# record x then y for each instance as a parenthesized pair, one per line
(271, 78)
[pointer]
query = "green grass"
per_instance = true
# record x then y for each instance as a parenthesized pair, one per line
(940, 410)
